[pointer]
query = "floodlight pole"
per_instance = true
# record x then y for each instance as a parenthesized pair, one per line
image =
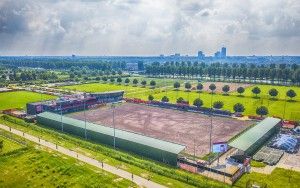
(284, 108)
(85, 134)
(113, 107)
(62, 126)
(210, 132)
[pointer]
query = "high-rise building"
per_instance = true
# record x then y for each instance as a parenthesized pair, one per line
(201, 55)
(217, 54)
(223, 52)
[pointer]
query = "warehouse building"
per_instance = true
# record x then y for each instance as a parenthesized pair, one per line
(252, 139)
(149, 147)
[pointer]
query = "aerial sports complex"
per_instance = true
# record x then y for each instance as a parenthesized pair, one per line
(178, 135)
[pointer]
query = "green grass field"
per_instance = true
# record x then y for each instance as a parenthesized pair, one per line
(38, 167)
(8, 145)
(276, 107)
(279, 178)
(18, 99)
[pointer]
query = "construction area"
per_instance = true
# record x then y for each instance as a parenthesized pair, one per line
(185, 128)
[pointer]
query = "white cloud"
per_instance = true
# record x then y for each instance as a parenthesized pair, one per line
(132, 27)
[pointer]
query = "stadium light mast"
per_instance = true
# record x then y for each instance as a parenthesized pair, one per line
(85, 133)
(210, 131)
(113, 107)
(62, 125)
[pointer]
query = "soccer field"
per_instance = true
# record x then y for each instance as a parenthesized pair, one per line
(276, 107)
(18, 99)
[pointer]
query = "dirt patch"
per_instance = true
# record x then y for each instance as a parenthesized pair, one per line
(166, 124)
(219, 85)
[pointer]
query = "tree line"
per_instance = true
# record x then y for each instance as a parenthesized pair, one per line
(280, 73)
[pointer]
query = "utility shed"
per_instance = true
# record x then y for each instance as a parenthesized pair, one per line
(256, 136)
(149, 147)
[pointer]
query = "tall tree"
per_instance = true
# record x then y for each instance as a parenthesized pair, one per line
(256, 90)
(165, 99)
(238, 108)
(135, 82)
(127, 81)
(212, 87)
(218, 104)
(198, 103)
(262, 111)
(273, 92)
(144, 83)
(150, 98)
(226, 89)
(240, 90)
(291, 93)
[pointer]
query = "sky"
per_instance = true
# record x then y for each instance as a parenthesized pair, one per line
(149, 27)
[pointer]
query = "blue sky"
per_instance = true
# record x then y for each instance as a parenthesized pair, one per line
(132, 27)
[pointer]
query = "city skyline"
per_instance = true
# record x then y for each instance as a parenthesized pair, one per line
(142, 28)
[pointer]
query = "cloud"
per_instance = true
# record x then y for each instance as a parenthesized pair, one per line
(133, 27)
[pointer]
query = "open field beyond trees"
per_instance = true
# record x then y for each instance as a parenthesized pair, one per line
(250, 102)
(18, 99)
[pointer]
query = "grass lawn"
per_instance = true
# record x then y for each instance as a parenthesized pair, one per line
(275, 106)
(281, 91)
(8, 145)
(279, 178)
(99, 87)
(158, 172)
(257, 164)
(37, 167)
(18, 99)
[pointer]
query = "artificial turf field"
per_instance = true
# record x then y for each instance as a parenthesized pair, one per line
(276, 106)
(18, 99)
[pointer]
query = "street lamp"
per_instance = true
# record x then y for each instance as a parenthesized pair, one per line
(85, 133)
(113, 107)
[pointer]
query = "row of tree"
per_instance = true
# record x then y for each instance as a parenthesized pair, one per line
(27, 75)
(240, 72)
(237, 108)
(62, 63)
(226, 88)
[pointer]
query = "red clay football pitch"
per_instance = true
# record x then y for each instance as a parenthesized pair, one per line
(167, 124)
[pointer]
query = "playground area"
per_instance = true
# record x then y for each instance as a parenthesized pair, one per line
(190, 129)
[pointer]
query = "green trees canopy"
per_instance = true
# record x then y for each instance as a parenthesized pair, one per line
(256, 90)
(226, 89)
(291, 93)
(165, 99)
(218, 104)
(262, 111)
(176, 85)
(198, 102)
(273, 92)
(240, 90)
(150, 98)
(238, 107)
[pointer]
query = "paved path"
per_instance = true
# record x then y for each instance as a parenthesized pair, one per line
(119, 172)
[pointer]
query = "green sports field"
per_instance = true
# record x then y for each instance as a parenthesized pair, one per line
(276, 107)
(18, 99)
